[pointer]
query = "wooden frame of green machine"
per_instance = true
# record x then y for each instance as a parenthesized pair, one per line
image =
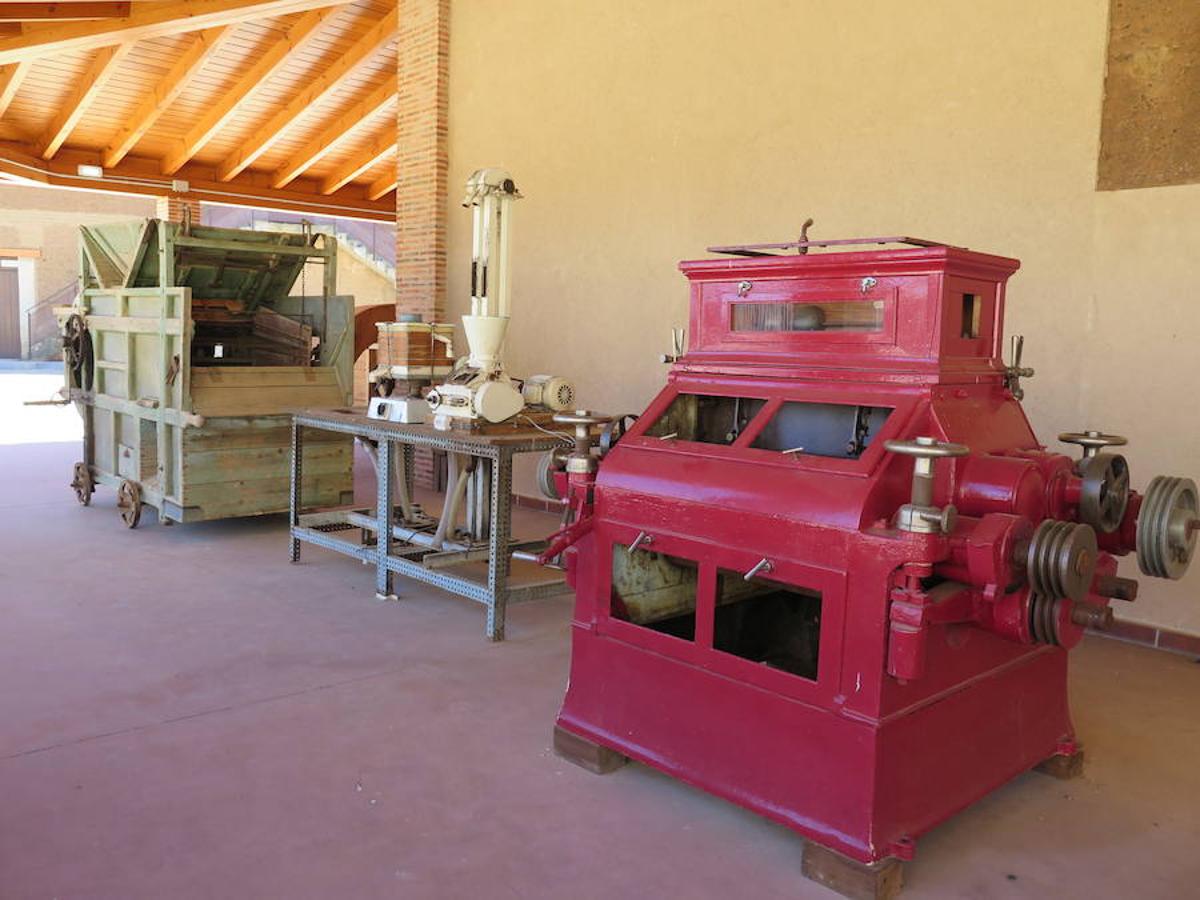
(204, 437)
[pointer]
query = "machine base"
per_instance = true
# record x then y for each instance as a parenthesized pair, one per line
(585, 753)
(859, 881)
(1063, 766)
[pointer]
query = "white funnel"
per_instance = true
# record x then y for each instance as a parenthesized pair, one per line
(485, 337)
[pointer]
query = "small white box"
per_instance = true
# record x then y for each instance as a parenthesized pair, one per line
(408, 410)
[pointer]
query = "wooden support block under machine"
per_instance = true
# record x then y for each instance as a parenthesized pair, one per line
(584, 753)
(858, 881)
(1063, 766)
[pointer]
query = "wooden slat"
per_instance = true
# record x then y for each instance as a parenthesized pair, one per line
(10, 82)
(297, 38)
(333, 75)
(333, 134)
(94, 79)
(374, 153)
(382, 185)
(169, 87)
(148, 20)
(62, 12)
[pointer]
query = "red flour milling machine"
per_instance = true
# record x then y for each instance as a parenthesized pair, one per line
(831, 574)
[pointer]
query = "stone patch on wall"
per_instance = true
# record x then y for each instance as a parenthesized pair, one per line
(1150, 125)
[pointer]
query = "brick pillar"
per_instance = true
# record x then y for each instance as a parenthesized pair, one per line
(423, 75)
(422, 162)
(171, 208)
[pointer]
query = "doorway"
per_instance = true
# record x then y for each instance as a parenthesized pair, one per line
(10, 314)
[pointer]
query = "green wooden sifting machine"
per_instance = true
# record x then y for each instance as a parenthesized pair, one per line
(186, 353)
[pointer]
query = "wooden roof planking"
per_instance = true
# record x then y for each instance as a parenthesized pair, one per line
(285, 103)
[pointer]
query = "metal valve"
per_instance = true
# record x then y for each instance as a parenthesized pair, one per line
(919, 514)
(1014, 371)
(581, 459)
(1092, 441)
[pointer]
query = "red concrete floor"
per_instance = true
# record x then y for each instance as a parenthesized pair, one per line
(186, 715)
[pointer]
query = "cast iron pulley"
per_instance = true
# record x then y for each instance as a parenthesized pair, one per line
(614, 429)
(1166, 526)
(1059, 621)
(1104, 493)
(1062, 559)
(384, 387)
(550, 462)
(83, 483)
(1092, 441)
(77, 350)
(1043, 618)
(129, 502)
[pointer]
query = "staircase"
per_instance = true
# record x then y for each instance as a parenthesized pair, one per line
(42, 326)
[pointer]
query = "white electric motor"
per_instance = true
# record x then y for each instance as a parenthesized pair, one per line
(551, 391)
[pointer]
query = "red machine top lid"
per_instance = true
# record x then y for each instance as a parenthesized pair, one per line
(928, 309)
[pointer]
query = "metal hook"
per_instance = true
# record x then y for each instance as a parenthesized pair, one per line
(803, 250)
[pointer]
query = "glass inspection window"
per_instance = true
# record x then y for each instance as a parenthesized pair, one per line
(655, 591)
(837, 430)
(773, 624)
(705, 418)
(793, 316)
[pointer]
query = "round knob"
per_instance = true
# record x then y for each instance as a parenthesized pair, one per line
(927, 448)
(1092, 441)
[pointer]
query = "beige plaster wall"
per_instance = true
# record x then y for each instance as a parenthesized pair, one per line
(642, 132)
(49, 219)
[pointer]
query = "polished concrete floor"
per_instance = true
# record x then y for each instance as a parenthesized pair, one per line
(185, 715)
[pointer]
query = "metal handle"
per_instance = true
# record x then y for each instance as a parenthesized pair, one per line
(644, 539)
(1092, 441)
(763, 566)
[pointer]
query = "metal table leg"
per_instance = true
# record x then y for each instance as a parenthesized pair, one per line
(294, 506)
(383, 512)
(499, 560)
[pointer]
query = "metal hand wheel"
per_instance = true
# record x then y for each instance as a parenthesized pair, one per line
(1092, 441)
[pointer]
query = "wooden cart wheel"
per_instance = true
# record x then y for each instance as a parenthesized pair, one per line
(83, 483)
(129, 501)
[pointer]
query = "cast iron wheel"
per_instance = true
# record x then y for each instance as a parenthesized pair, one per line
(129, 502)
(77, 351)
(384, 387)
(83, 484)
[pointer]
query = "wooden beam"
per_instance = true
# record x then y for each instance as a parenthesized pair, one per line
(90, 83)
(378, 150)
(140, 176)
(385, 184)
(11, 77)
(297, 37)
(331, 76)
(337, 131)
(201, 48)
(146, 20)
(62, 12)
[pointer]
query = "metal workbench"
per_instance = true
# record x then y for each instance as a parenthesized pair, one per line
(391, 553)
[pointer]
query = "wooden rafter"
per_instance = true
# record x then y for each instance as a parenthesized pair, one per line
(378, 150)
(135, 175)
(91, 83)
(200, 49)
(146, 20)
(331, 76)
(62, 12)
(337, 131)
(385, 184)
(297, 38)
(10, 82)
